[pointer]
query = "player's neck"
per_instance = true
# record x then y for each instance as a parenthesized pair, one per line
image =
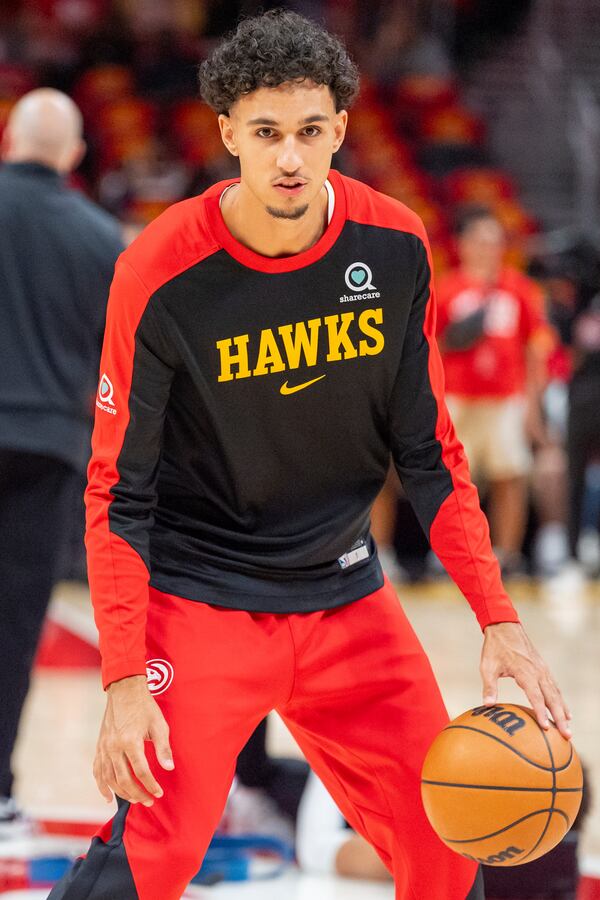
(251, 224)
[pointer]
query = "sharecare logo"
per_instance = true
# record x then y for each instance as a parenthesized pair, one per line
(359, 279)
(104, 401)
(159, 673)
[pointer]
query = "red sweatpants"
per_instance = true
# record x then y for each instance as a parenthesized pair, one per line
(356, 690)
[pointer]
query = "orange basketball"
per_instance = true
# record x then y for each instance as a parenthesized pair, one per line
(499, 789)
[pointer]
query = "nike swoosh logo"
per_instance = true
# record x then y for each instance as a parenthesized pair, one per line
(284, 389)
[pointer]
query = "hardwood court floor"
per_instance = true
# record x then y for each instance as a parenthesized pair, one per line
(55, 750)
(292, 886)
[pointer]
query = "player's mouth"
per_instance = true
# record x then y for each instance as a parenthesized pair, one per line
(290, 187)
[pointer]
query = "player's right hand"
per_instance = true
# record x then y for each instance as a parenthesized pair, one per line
(120, 767)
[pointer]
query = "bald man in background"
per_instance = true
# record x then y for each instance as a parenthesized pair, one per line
(57, 255)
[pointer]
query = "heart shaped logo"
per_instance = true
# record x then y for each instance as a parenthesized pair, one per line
(358, 276)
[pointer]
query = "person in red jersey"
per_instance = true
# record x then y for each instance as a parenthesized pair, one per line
(269, 345)
(495, 339)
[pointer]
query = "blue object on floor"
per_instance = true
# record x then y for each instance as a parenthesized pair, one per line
(229, 858)
(48, 869)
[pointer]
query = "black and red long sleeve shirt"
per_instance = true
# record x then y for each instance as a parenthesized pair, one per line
(246, 413)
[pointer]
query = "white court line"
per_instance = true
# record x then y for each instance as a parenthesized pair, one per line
(295, 886)
(71, 813)
(74, 619)
(291, 886)
(25, 895)
(42, 845)
(590, 866)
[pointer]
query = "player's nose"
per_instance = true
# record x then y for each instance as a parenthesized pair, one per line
(289, 158)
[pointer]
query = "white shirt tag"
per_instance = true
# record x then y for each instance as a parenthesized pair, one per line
(359, 552)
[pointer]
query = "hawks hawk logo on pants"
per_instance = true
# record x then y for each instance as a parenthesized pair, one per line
(159, 673)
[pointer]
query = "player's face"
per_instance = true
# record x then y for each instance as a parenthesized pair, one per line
(483, 245)
(285, 138)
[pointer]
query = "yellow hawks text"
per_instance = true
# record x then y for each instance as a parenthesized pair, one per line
(341, 336)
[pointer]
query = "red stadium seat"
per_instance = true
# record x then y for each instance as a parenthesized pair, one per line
(443, 256)
(514, 218)
(485, 186)
(425, 92)
(103, 84)
(15, 81)
(433, 216)
(5, 108)
(404, 184)
(452, 125)
(195, 131)
(193, 118)
(116, 150)
(126, 117)
(417, 95)
(142, 211)
(381, 158)
(369, 122)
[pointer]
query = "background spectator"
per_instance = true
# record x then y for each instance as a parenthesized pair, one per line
(57, 254)
(494, 340)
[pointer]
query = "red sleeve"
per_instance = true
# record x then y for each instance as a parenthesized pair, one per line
(135, 379)
(431, 462)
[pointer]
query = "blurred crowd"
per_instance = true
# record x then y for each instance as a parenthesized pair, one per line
(131, 68)
(522, 362)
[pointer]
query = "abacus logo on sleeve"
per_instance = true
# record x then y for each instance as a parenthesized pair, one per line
(104, 400)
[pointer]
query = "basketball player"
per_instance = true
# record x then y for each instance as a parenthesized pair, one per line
(268, 346)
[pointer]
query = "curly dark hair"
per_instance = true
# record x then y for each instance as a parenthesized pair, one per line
(272, 49)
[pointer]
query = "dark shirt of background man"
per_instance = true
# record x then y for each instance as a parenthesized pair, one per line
(57, 254)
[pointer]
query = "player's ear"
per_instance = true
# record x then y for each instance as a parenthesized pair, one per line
(339, 129)
(227, 134)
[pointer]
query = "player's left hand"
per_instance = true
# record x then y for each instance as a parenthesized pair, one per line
(508, 653)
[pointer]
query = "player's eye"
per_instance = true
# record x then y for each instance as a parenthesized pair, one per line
(312, 131)
(265, 132)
